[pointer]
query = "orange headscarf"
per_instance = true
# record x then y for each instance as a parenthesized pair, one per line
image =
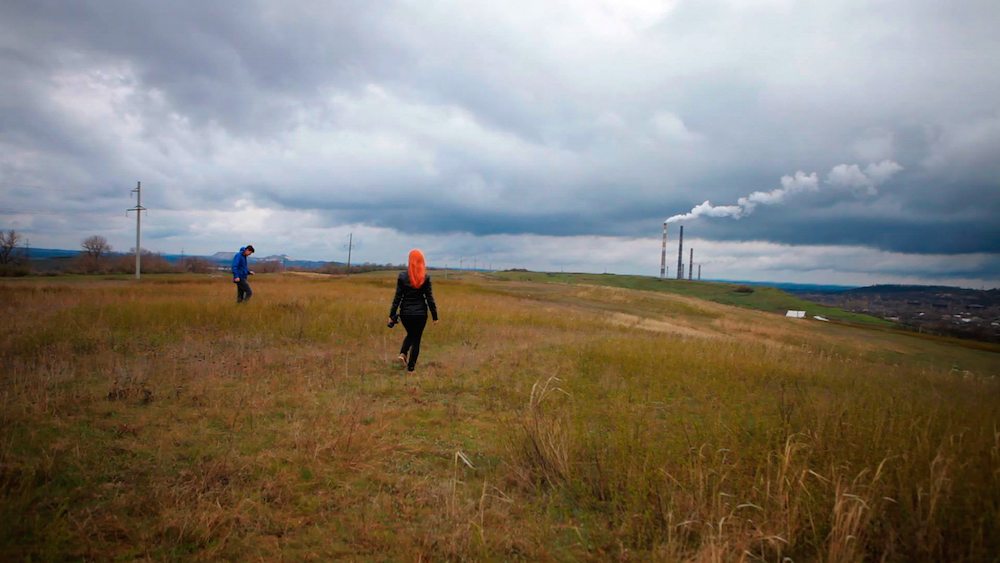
(417, 269)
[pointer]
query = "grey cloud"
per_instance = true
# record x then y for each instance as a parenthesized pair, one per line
(242, 64)
(898, 235)
(436, 118)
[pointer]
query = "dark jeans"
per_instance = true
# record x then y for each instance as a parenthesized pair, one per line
(243, 291)
(414, 325)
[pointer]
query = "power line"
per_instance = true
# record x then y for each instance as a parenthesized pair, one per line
(11, 211)
(60, 190)
(32, 186)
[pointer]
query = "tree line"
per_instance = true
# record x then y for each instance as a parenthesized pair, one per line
(99, 257)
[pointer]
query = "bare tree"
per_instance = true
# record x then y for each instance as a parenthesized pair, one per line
(10, 253)
(196, 265)
(96, 246)
(269, 266)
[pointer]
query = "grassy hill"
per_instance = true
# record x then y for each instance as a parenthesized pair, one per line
(546, 421)
(761, 298)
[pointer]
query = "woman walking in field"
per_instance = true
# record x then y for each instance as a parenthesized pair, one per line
(413, 298)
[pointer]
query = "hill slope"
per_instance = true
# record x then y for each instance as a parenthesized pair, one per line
(546, 421)
(761, 298)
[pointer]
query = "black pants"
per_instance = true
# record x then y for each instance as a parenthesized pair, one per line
(414, 325)
(243, 291)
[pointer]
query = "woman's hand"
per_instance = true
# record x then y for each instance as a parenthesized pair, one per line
(435, 321)
(388, 320)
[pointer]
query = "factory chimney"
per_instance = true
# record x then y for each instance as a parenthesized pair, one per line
(680, 254)
(691, 266)
(699, 272)
(663, 253)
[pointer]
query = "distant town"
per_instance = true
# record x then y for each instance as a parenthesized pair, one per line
(952, 311)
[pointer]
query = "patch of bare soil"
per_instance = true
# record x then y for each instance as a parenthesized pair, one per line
(655, 325)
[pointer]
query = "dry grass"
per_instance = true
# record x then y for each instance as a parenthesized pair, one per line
(545, 422)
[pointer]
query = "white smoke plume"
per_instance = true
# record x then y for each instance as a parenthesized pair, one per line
(789, 185)
(708, 210)
(843, 175)
(865, 182)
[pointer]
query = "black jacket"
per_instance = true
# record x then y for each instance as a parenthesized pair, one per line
(413, 301)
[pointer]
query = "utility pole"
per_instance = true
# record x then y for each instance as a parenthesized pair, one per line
(460, 261)
(138, 226)
(699, 272)
(350, 245)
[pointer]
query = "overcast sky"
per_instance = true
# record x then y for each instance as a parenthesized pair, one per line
(849, 142)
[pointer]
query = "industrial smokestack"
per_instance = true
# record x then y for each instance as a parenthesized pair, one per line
(699, 272)
(691, 266)
(663, 253)
(680, 254)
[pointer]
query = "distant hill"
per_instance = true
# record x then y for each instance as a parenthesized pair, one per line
(893, 288)
(37, 253)
(223, 257)
(927, 293)
(226, 255)
(796, 287)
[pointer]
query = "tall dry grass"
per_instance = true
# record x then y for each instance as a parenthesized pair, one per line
(160, 421)
(716, 450)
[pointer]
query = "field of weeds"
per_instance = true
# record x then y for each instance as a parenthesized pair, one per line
(159, 420)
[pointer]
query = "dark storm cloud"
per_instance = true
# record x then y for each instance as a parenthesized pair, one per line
(237, 63)
(597, 118)
(897, 235)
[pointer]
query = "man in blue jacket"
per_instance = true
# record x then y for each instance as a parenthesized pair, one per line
(240, 274)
